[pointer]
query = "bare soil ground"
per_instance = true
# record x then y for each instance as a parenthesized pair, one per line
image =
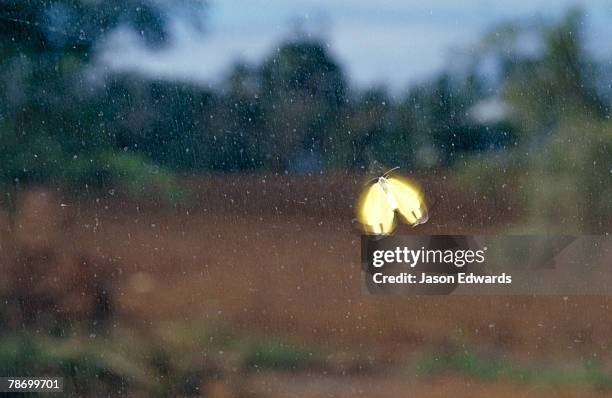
(311, 386)
(279, 256)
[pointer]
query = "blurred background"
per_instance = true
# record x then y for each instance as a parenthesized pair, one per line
(177, 185)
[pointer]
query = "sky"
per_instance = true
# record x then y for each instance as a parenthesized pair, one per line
(391, 43)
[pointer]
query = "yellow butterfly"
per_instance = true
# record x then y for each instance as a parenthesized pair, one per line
(385, 196)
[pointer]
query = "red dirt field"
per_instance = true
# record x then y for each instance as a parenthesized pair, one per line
(279, 256)
(245, 252)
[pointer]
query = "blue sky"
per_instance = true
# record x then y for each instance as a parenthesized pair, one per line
(384, 42)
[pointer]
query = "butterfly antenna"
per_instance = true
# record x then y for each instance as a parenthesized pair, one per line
(389, 172)
(384, 175)
(370, 180)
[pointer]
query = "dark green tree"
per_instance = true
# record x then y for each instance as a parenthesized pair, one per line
(52, 121)
(302, 93)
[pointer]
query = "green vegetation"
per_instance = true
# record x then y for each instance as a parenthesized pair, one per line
(548, 141)
(278, 355)
(293, 112)
(492, 368)
(559, 166)
(87, 365)
(173, 358)
(182, 358)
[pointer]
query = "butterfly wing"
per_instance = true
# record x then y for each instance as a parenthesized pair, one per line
(410, 201)
(375, 212)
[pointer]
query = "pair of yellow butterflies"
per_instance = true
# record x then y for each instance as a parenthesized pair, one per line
(386, 196)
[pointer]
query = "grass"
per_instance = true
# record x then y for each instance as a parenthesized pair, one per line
(108, 366)
(81, 364)
(272, 354)
(488, 368)
(177, 358)
(249, 353)
(142, 178)
(168, 360)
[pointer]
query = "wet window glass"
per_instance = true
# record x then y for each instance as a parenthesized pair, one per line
(180, 187)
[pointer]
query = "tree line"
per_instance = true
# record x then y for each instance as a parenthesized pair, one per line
(295, 111)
